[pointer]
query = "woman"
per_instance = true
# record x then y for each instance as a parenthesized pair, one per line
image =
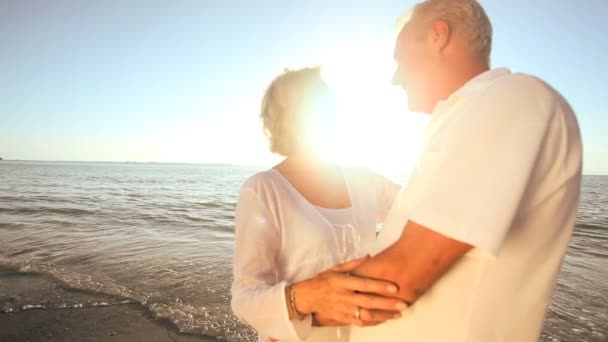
(298, 220)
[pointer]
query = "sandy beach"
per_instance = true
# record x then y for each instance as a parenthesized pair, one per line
(31, 310)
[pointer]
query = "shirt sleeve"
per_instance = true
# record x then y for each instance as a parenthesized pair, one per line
(476, 166)
(386, 192)
(258, 297)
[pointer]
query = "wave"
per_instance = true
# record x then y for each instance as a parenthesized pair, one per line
(73, 280)
(591, 236)
(9, 309)
(186, 317)
(216, 204)
(47, 211)
(592, 227)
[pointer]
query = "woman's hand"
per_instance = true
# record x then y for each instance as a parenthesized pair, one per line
(336, 298)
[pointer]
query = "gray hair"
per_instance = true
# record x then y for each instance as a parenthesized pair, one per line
(465, 16)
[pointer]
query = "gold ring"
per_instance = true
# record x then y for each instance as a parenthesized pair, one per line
(358, 313)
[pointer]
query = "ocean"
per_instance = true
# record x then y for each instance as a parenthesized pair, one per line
(161, 236)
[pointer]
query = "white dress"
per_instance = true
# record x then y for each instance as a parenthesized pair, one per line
(282, 238)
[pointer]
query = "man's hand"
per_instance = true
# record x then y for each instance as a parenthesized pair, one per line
(320, 321)
(337, 298)
(415, 262)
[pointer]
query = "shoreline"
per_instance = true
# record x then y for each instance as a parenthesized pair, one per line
(35, 307)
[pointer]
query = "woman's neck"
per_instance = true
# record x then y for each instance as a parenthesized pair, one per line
(305, 162)
(320, 182)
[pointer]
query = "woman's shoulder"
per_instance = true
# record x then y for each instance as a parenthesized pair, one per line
(259, 181)
(267, 189)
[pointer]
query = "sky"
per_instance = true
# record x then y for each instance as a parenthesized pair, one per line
(181, 81)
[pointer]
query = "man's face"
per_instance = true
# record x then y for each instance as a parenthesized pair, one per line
(414, 67)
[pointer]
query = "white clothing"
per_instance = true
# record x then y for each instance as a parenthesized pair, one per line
(282, 238)
(500, 169)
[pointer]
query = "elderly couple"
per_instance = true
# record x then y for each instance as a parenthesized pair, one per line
(471, 246)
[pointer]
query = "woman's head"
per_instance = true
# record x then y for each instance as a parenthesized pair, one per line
(297, 111)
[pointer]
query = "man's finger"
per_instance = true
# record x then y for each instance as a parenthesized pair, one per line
(377, 316)
(370, 324)
(373, 302)
(352, 320)
(321, 322)
(346, 313)
(380, 287)
(350, 265)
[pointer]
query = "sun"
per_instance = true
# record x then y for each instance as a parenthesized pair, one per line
(374, 127)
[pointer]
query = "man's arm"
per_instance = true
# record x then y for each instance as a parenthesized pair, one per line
(415, 261)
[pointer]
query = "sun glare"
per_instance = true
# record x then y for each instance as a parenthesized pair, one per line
(374, 127)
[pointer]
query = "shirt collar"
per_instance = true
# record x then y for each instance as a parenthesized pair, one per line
(473, 85)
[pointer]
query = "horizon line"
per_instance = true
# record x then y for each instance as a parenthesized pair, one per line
(174, 163)
(125, 162)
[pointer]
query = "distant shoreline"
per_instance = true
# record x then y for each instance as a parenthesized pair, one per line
(126, 162)
(165, 163)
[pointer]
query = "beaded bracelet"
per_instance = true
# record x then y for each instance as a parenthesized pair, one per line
(292, 301)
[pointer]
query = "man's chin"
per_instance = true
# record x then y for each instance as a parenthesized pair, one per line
(418, 106)
(413, 106)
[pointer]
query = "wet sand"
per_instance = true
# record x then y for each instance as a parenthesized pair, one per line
(36, 308)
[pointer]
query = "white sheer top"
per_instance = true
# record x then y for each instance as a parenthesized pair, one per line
(282, 238)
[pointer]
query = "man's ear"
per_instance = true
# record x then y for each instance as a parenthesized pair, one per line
(441, 34)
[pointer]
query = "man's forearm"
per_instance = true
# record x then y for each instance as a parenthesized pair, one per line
(388, 265)
(415, 261)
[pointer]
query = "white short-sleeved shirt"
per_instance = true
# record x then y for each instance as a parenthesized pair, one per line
(282, 238)
(500, 169)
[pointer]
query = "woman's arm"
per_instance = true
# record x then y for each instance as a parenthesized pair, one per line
(258, 297)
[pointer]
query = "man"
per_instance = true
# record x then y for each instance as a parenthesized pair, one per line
(476, 238)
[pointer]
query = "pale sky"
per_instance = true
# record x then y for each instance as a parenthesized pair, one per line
(181, 81)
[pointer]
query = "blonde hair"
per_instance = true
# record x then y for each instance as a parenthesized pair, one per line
(286, 104)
